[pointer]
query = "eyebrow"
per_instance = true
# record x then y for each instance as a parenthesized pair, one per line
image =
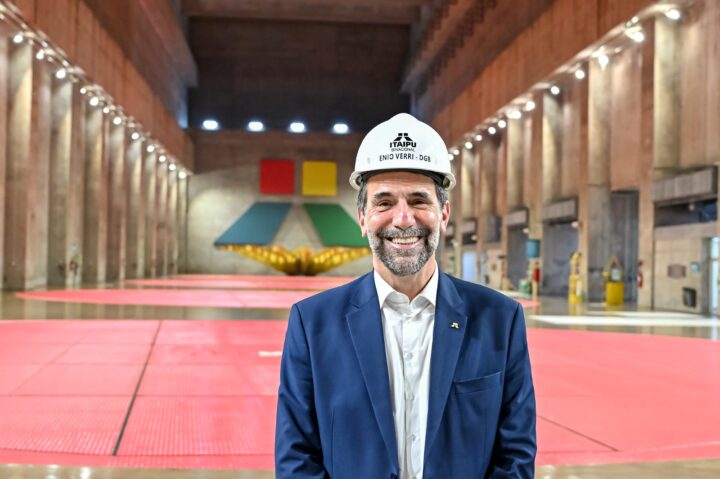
(386, 194)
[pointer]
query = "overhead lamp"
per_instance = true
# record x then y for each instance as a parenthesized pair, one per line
(340, 128)
(674, 14)
(478, 137)
(172, 167)
(61, 74)
(468, 145)
(40, 54)
(117, 121)
(150, 148)
(555, 90)
(603, 60)
(162, 158)
(580, 74)
(492, 130)
(455, 151)
(514, 115)
(502, 124)
(451, 156)
(635, 34)
(94, 101)
(182, 175)
(530, 105)
(106, 109)
(18, 38)
(83, 90)
(256, 126)
(297, 127)
(210, 125)
(135, 135)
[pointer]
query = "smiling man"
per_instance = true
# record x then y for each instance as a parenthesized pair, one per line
(405, 373)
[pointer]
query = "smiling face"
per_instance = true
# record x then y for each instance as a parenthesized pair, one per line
(403, 221)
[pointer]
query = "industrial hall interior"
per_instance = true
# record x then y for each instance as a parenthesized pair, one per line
(174, 178)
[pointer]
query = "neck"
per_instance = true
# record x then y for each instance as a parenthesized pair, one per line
(408, 285)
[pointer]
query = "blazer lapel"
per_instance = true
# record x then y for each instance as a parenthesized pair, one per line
(448, 335)
(365, 325)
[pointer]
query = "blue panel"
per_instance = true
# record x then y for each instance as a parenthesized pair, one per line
(469, 266)
(257, 226)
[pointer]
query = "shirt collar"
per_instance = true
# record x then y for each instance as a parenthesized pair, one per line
(429, 292)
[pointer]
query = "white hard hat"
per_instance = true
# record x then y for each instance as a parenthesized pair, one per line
(403, 143)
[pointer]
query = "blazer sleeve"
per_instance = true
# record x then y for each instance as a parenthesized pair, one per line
(515, 444)
(298, 452)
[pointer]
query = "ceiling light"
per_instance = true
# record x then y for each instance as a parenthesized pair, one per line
(451, 156)
(172, 167)
(162, 158)
(256, 126)
(340, 128)
(674, 14)
(106, 110)
(150, 148)
(530, 105)
(182, 175)
(40, 54)
(502, 124)
(83, 90)
(94, 101)
(636, 34)
(603, 60)
(135, 135)
(579, 73)
(18, 38)
(468, 145)
(297, 127)
(492, 130)
(555, 90)
(514, 115)
(61, 74)
(478, 137)
(210, 125)
(454, 151)
(117, 121)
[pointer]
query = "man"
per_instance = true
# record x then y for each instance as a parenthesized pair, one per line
(405, 373)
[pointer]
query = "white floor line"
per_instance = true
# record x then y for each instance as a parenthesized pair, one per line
(619, 321)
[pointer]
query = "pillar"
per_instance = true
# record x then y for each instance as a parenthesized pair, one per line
(135, 211)
(95, 217)
(514, 176)
(150, 187)
(182, 210)
(161, 245)
(28, 165)
(117, 203)
(66, 184)
(172, 217)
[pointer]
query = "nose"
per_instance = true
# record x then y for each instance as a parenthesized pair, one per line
(403, 216)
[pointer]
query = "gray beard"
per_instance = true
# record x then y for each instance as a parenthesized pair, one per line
(404, 263)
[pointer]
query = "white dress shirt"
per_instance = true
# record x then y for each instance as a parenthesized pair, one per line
(408, 334)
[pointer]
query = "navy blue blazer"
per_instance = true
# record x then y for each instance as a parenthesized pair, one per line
(334, 416)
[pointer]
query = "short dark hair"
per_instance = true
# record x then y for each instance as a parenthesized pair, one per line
(441, 192)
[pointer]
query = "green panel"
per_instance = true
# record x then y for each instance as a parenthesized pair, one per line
(334, 225)
(257, 226)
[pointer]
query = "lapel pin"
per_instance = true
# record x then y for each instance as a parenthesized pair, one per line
(455, 325)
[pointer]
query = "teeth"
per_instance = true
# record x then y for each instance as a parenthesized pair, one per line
(405, 240)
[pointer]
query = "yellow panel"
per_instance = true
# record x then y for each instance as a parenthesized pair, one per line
(319, 178)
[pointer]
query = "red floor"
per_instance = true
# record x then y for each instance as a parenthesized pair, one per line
(207, 394)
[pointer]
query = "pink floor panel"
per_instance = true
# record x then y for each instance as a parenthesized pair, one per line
(201, 394)
(258, 282)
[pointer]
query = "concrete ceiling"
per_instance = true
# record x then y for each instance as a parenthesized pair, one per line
(403, 12)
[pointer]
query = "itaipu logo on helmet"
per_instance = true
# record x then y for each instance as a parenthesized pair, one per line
(402, 143)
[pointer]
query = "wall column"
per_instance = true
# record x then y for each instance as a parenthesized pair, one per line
(95, 225)
(135, 212)
(487, 174)
(161, 245)
(514, 176)
(66, 184)
(28, 165)
(182, 211)
(117, 147)
(172, 217)
(150, 187)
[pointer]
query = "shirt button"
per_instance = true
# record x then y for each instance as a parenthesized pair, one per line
(410, 397)
(412, 438)
(408, 355)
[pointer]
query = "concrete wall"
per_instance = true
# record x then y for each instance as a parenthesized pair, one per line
(681, 252)
(228, 184)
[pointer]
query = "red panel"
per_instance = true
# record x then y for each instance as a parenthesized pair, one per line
(196, 426)
(277, 177)
(83, 380)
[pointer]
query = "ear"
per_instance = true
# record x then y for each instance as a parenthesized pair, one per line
(445, 216)
(361, 222)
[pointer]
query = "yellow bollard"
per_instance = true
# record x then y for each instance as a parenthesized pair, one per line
(575, 288)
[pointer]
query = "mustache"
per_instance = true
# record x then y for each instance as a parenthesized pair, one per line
(390, 233)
